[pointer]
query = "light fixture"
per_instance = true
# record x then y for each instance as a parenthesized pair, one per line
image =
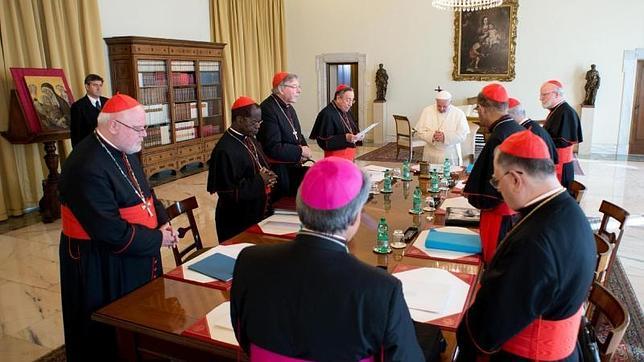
(465, 5)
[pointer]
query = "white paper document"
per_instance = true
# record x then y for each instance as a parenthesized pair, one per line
(364, 132)
(221, 328)
(456, 202)
(439, 168)
(280, 224)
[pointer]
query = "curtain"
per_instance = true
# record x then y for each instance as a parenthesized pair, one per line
(42, 34)
(254, 32)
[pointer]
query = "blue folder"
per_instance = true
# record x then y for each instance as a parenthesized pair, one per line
(218, 266)
(466, 243)
(469, 168)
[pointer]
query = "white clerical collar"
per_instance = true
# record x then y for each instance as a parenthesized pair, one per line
(236, 132)
(338, 239)
(543, 196)
(105, 139)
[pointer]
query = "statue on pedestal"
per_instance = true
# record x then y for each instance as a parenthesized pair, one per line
(381, 84)
(592, 84)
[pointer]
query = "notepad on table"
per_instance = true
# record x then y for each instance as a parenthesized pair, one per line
(467, 243)
(218, 266)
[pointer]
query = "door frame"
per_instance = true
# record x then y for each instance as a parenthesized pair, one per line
(321, 66)
(631, 57)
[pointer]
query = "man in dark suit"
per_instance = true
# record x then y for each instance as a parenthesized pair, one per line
(85, 110)
(281, 134)
(310, 298)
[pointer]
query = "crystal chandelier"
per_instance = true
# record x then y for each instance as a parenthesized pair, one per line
(465, 5)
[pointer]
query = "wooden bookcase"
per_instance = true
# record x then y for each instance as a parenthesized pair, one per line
(180, 84)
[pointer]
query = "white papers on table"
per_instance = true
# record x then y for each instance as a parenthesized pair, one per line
(439, 167)
(280, 224)
(432, 293)
(219, 324)
(439, 253)
(284, 212)
(376, 173)
(228, 250)
(460, 185)
(360, 135)
(456, 202)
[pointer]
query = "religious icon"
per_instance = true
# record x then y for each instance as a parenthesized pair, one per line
(485, 42)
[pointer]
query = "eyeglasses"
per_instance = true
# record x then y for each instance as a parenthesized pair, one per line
(546, 93)
(136, 129)
(495, 182)
(294, 86)
(350, 101)
(253, 121)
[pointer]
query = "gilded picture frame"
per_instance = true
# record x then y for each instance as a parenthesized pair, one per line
(485, 43)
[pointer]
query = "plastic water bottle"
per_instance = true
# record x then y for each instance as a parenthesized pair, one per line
(387, 182)
(434, 185)
(416, 201)
(447, 168)
(382, 243)
(405, 172)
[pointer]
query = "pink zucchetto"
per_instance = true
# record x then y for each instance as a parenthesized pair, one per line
(330, 184)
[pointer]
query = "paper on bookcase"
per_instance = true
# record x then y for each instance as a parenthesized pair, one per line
(280, 224)
(232, 251)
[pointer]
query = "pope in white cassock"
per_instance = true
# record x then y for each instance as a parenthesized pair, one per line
(443, 127)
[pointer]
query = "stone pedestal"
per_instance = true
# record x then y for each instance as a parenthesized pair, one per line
(379, 134)
(587, 121)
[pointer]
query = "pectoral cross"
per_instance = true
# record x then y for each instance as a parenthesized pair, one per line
(438, 89)
(295, 135)
(147, 207)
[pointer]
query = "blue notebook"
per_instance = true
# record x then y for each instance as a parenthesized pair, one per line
(469, 168)
(466, 243)
(218, 266)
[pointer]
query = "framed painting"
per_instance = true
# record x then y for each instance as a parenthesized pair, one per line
(485, 43)
(44, 97)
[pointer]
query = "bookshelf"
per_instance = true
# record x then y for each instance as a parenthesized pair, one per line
(180, 85)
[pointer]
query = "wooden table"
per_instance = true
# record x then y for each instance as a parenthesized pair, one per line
(150, 320)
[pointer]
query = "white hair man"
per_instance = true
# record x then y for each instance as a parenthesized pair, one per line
(443, 127)
(563, 126)
(113, 227)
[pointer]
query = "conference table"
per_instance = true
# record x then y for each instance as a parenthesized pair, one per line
(151, 322)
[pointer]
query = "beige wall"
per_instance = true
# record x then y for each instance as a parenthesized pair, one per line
(415, 43)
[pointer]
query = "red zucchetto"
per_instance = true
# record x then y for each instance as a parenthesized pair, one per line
(243, 101)
(119, 103)
(525, 144)
(513, 102)
(495, 92)
(278, 78)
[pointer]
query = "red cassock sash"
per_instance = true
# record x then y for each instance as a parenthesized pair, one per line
(136, 214)
(349, 153)
(489, 228)
(565, 156)
(545, 340)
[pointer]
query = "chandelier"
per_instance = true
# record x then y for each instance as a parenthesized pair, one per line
(465, 5)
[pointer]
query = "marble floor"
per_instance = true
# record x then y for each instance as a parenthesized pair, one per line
(30, 312)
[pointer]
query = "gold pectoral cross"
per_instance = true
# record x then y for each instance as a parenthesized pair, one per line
(295, 135)
(147, 207)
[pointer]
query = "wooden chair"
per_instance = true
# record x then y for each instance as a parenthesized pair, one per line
(602, 302)
(577, 190)
(404, 136)
(604, 251)
(185, 207)
(612, 211)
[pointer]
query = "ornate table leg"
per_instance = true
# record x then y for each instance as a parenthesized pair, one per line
(49, 204)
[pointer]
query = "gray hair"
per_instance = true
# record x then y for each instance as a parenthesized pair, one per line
(337, 220)
(517, 112)
(280, 86)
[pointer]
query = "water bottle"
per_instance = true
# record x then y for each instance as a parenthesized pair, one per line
(387, 182)
(405, 173)
(447, 168)
(434, 185)
(382, 243)
(417, 201)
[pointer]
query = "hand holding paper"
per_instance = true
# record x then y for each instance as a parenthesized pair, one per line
(361, 134)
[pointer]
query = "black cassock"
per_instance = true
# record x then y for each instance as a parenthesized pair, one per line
(309, 298)
(331, 127)
(544, 268)
(280, 145)
(234, 175)
(119, 257)
(478, 190)
(545, 136)
(564, 127)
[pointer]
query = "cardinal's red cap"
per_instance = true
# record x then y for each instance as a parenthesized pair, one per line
(495, 92)
(525, 144)
(243, 101)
